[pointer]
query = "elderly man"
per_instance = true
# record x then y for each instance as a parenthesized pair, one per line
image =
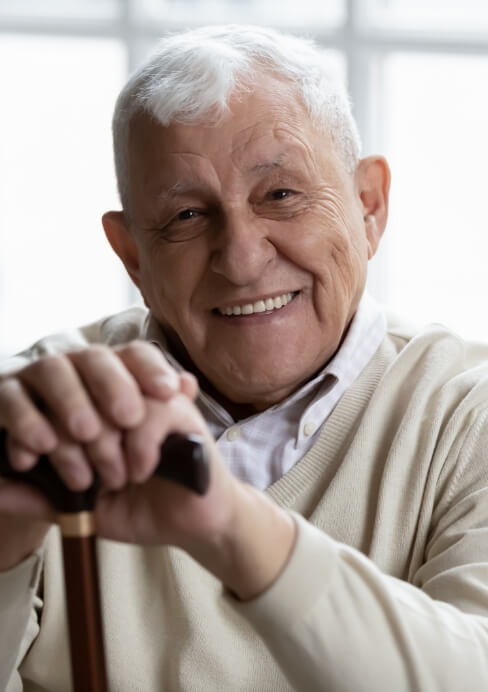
(343, 542)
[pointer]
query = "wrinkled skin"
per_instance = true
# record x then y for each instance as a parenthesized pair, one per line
(260, 206)
(268, 208)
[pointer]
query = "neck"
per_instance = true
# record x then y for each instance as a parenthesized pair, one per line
(237, 410)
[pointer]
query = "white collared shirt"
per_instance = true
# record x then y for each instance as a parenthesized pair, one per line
(261, 448)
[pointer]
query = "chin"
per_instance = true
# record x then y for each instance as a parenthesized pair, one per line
(260, 390)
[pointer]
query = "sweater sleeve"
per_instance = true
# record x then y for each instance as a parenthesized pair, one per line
(19, 606)
(333, 620)
(115, 329)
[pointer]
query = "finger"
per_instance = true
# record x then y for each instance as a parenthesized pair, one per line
(72, 465)
(107, 457)
(142, 448)
(154, 375)
(189, 385)
(115, 391)
(142, 444)
(23, 420)
(24, 500)
(54, 380)
(20, 458)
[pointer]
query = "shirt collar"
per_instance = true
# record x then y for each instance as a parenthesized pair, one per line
(368, 320)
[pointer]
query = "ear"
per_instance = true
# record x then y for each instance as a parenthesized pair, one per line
(122, 242)
(373, 179)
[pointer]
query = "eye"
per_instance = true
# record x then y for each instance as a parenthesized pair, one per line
(281, 193)
(184, 225)
(187, 214)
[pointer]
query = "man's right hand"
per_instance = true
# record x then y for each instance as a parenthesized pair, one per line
(74, 407)
(110, 411)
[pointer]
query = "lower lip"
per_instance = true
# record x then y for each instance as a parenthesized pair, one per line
(258, 318)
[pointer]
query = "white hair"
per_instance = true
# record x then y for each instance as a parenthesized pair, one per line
(191, 76)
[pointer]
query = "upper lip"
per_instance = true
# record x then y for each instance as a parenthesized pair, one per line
(246, 301)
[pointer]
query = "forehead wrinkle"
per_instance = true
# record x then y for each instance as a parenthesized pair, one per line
(194, 174)
(289, 144)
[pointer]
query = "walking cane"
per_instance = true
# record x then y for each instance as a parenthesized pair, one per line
(183, 459)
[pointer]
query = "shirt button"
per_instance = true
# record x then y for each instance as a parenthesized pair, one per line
(233, 434)
(309, 429)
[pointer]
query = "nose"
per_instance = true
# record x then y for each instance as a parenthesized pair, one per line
(242, 249)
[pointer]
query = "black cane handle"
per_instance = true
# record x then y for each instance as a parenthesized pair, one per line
(183, 459)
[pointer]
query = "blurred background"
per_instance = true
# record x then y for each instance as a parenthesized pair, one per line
(417, 73)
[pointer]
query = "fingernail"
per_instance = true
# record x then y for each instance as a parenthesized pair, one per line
(169, 381)
(83, 424)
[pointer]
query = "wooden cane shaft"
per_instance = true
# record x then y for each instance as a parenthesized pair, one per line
(183, 460)
(84, 614)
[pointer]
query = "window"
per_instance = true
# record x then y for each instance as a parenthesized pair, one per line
(285, 13)
(437, 243)
(55, 181)
(417, 72)
(423, 16)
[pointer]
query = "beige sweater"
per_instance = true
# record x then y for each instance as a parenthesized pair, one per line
(399, 474)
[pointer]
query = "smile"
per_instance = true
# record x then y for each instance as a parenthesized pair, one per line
(264, 305)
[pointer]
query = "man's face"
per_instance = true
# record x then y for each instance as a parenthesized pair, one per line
(234, 218)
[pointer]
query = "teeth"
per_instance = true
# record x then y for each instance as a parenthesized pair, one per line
(258, 306)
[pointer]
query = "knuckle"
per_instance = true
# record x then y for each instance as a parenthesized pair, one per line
(47, 366)
(9, 388)
(16, 406)
(94, 351)
(136, 349)
(97, 351)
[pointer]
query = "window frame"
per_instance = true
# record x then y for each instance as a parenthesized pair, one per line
(362, 45)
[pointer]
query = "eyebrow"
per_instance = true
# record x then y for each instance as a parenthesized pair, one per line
(264, 166)
(178, 188)
(181, 188)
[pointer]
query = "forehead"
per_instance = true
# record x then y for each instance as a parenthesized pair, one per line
(265, 128)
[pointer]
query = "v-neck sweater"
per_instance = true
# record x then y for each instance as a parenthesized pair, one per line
(386, 588)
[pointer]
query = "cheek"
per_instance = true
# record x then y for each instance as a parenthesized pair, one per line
(348, 261)
(160, 280)
(170, 281)
(342, 225)
(326, 248)
(328, 244)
